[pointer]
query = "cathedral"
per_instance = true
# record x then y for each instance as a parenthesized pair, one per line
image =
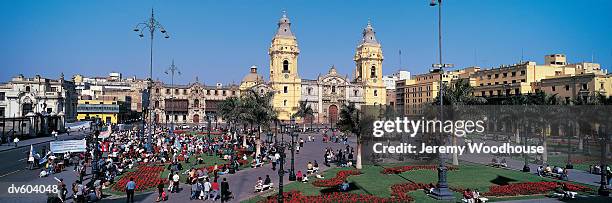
(326, 93)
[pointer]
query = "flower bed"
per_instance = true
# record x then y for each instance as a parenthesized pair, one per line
(335, 181)
(146, 177)
(296, 196)
(399, 191)
(401, 169)
(531, 188)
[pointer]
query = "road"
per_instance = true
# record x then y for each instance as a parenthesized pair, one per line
(14, 169)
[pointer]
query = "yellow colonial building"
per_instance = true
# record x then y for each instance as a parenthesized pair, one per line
(327, 93)
(107, 110)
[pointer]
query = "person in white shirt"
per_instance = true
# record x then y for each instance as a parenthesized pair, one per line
(206, 192)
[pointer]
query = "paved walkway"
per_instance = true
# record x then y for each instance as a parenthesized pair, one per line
(243, 182)
(574, 175)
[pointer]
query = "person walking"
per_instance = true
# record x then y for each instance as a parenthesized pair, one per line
(215, 189)
(16, 140)
(205, 194)
(175, 182)
(160, 191)
(129, 190)
(225, 193)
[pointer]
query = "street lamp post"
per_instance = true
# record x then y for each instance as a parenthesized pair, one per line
(150, 25)
(173, 69)
(281, 170)
(208, 126)
(603, 188)
(442, 192)
(293, 134)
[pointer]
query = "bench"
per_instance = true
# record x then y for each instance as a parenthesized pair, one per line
(568, 194)
(264, 188)
(482, 199)
(255, 165)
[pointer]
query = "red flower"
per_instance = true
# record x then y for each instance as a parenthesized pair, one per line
(401, 169)
(335, 181)
(146, 177)
(531, 188)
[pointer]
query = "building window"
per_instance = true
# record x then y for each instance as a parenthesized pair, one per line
(2, 95)
(522, 72)
(522, 80)
(2, 112)
(483, 93)
(373, 72)
(176, 91)
(505, 75)
(184, 118)
(357, 92)
(584, 86)
(498, 92)
(167, 117)
(285, 66)
(175, 117)
(309, 91)
(156, 104)
(553, 88)
(157, 90)
(490, 92)
(333, 89)
(285, 89)
(513, 81)
(53, 89)
(517, 91)
(27, 88)
(223, 93)
(167, 91)
(284, 102)
(566, 87)
(207, 92)
(196, 103)
(216, 93)
(233, 92)
(375, 93)
(496, 75)
(513, 74)
(185, 92)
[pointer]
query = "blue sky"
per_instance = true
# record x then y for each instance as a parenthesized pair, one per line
(218, 41)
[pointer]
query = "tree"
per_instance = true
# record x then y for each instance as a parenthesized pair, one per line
(460, 93)
(259, 111)
(350, 121)
(229, 109)
(304, 110)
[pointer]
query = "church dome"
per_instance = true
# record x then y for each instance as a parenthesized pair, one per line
(253, 76)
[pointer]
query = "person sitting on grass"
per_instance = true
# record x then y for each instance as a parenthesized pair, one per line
(299, 176)
(468, 196)
(305, 179)
(344, 186)
(539, 170)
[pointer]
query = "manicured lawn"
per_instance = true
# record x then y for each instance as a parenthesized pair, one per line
(472, 176)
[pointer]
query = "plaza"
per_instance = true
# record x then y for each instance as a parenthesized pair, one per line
(190, 102)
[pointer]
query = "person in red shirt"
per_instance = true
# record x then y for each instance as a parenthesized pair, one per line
(215, 189)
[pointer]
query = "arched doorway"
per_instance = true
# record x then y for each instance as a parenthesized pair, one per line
(196, 118)
(333, 114)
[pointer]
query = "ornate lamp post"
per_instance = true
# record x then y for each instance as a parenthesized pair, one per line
(442, 192)
(603, 188)
(208, 117)
(293, 135)
(171, 71)
(150, 25)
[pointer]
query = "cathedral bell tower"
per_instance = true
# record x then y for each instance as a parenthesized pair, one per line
(284, 78)
(368, 71)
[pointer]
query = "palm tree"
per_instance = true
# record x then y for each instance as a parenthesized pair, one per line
(460, 93)
(258, 111)
(350, 121)
(229, 110)
(304, 110)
